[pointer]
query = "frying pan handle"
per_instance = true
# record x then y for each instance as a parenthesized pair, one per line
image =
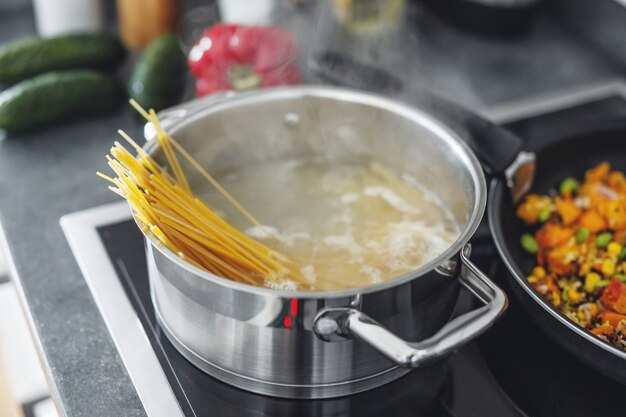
(345, 323)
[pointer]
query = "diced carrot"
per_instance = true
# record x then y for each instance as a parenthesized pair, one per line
(611, 292)
(552, 235)
(533, 204)
(603, 330)
(592, 193)
(560, 259)
(615, 214)
(620, 236)
(551, 284)
(592, 221)
(612, 318)
(620, 304)
(617, 181)
(614, 296)
(598, 173)
(567, 210)
(541, 258)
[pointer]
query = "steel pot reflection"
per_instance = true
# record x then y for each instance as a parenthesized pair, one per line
(323, 344)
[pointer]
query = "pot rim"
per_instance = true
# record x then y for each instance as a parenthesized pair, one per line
(441, 131)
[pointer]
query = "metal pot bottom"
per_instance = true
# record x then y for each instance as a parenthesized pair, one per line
(319, 391)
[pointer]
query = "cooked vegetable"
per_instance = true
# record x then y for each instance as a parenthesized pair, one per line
(529, 243)
(591, 280)
(26, 58)
(544, 215)
(614, 248)
(582, 235)
(56, 95)
(553, 235)
(581, 250)
(603, 239)
(156, 80)
(568, 185)
(614, 296)
(611, 318)
(621, 277)
(592, 221)
(567, 210)
(533, 205)
(602, 283)
(605, 330)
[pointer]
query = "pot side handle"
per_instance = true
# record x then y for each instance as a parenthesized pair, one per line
(341, 323)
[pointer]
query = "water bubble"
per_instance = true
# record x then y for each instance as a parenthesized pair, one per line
(292, 120)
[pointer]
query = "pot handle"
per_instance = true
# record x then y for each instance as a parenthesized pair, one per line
(499, 150)
(342, 323)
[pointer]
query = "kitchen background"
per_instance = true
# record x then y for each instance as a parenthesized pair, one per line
(483, 59)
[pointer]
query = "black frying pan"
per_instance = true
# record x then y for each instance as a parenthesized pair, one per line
(558, 157)
(567, 154)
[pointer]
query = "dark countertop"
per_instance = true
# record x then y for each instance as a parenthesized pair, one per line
(51, 172)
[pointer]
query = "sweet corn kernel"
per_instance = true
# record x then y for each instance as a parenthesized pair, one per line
(614, 248)
(585, 268)
(539, 272)
(608, 267)
(591, 279)
(574, 295)
(532, 279)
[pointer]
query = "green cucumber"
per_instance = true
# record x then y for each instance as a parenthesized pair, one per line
(156, 80)
(56, 95)
(28, 57)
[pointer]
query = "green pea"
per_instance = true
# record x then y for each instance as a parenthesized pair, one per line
(529, 243)
(568, 185)
(603, 239)
(621, 277)
(602, 283)
(622, 254)
(544, 215)
(582, 235)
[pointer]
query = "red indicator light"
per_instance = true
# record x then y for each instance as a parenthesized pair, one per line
(294, 307)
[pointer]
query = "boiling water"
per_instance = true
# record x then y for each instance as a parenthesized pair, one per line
(347, 224)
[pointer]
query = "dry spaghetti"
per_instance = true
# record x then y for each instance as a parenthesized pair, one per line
(167, 209)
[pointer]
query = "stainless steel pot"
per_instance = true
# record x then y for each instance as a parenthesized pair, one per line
(334, 343)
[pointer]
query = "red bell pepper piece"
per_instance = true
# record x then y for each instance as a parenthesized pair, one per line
(614, 296)
(240, 57)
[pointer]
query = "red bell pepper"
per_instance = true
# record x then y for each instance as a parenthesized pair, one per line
(240, 57)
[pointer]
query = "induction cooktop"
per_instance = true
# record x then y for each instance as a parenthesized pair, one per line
(514, 370)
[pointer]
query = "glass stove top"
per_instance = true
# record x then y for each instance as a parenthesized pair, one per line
(514, 370)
